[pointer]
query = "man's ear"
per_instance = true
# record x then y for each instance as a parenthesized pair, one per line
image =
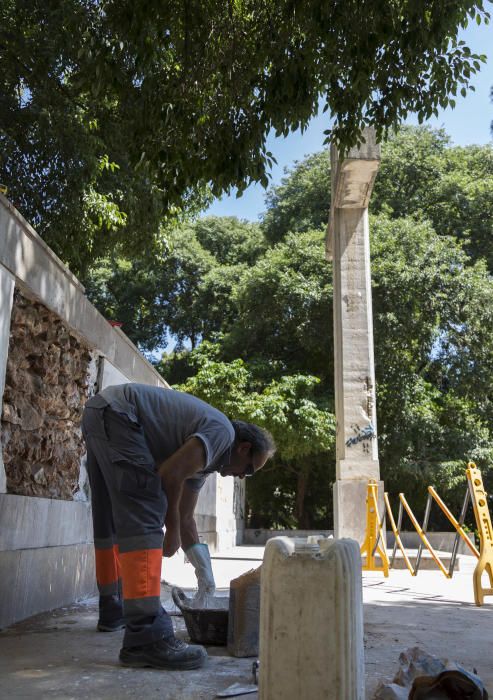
(244, 447)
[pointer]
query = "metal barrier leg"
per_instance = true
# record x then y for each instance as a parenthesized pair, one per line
(424, 529)
(396, 531)
(462, 518)
(423, 537)
(456, 523)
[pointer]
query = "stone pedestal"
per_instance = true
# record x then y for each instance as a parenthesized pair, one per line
(46, 555)
(348, 245)
(350, 507)
(311, 622)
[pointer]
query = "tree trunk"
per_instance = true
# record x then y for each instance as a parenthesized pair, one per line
(302, 516)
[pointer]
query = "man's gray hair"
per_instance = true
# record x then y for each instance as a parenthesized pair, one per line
(261, 440)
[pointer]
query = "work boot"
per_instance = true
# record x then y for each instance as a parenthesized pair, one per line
(170, 653)
(112, 626)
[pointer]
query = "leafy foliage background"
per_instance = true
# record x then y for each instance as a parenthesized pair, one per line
(120, 120)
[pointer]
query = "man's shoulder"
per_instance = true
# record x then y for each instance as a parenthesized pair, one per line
(206, 409)
(174, 398)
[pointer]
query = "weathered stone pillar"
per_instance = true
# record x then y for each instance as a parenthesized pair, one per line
(348, 245)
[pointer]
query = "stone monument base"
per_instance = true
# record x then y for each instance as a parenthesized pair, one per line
(350, 508)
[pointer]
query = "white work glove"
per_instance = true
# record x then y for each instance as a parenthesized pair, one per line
(200, 558)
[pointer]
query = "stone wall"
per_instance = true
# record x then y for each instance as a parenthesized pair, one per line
(48, 379)
(54, 348)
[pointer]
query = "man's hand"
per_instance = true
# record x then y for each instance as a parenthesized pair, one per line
(171, 542)
(199, 557)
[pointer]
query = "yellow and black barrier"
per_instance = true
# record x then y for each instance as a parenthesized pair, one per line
(483, 522)
(374, 543)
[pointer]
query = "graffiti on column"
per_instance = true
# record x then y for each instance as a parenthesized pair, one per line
(363, 435)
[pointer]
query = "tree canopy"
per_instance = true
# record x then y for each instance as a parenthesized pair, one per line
(433, 307)
(421, 175)
(117, 116)
(302, 425)
(185, 292)
(432, 302)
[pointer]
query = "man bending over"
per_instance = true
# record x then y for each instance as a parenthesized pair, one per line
(149, 451)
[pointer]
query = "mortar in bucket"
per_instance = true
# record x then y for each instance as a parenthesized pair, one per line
(204, 625)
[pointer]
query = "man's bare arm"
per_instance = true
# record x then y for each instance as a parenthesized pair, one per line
(174, 471)
(188, 527)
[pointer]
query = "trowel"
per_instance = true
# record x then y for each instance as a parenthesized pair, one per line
(237, 689)
(242, 689)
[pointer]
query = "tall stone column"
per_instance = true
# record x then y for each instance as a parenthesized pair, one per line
(348, 245)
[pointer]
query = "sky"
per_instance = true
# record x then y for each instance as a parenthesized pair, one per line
(469, 123)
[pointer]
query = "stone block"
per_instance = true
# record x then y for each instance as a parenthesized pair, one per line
(10, 598)
(27, 522)
(110, 375)
(353, 176)
(355, 183)
(37, 580)
(3, 476)
(369, 149)
(350, 508)
(244, 614)
(229, 505)
(311, 622)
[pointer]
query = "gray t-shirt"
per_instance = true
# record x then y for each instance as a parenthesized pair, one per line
(169, 418)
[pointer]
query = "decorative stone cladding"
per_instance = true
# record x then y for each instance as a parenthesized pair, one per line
(50, 374)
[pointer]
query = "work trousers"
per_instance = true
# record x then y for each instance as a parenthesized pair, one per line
(128, 510)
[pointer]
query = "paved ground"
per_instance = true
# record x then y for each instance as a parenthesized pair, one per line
(428, 611)
(59, 654)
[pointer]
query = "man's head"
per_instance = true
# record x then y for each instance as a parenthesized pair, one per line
(253, 446)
